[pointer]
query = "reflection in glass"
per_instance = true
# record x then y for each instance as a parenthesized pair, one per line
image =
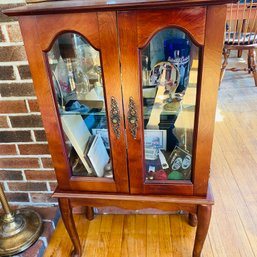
(78, 86)
(169, 82)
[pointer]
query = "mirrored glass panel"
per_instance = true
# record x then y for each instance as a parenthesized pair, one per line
(76, 72)
(169, 84)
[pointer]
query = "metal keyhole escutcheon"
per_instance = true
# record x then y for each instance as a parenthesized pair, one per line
(115, 117)
(132, 118)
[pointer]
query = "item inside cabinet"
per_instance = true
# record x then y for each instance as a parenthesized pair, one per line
(78, 135)
(97, 155)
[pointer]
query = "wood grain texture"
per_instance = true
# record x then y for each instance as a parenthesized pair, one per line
(88, 5)
(67, 23)
(204, 217)
(135, 30)
(112, 78)
(67, 217)
(39, 33)
(189, 20)
(187, 203)
(45, 97)
(130, 87)
(207, 97)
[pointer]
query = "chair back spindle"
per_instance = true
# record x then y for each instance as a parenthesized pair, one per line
(241, 33)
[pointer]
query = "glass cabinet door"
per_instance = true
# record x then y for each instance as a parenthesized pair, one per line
(160, 97)
(76, 72)
(169, 78)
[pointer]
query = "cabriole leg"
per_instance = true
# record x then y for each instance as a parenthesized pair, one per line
(68, 221)
(204, 216)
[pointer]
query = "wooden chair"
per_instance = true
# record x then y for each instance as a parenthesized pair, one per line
(241, 34)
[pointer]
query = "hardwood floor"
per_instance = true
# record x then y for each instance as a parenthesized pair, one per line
(233, 229)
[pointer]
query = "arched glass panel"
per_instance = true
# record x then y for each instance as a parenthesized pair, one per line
(78, 86)
(169, 85)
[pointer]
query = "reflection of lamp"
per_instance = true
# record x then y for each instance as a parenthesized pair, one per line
(166, 74)
(18, 229)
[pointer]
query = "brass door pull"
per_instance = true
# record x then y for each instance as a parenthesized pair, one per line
(115, 117)
(132, 118)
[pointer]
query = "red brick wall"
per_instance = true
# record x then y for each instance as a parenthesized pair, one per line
(26, 171)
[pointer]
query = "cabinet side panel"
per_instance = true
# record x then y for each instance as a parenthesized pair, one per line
(45, 97)
(214, 33)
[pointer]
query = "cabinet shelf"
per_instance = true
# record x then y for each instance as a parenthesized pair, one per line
(100, 113)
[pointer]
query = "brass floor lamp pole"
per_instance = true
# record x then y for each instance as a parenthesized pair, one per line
(19, 229)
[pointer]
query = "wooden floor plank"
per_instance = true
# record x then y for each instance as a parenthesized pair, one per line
(165, 242)
(114, 249)
(152, 235)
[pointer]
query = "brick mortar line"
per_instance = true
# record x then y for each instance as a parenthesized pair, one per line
(8, 123)
(33, 136)
(25, 156)
(22, 129)
(17, 98)
(3, 44)
(48, 185)
(27, 105)
(5, 33)
(32, 204)
(24, 143)
(13, 81)
(20, 113)
(9, 100)
(17, 149)
(40, 163)
(30, 180)
(9, 23)
(6, 188)
(14, 63)
(33, 169)
(28, 191)
(30, 198)
(16, 72)
(15, 2)
(23, 175)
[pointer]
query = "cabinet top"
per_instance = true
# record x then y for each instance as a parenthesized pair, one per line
(54, 7)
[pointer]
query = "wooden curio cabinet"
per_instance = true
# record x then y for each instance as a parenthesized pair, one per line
(127, 92)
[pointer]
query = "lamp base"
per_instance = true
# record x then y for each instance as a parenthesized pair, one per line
(18, 231)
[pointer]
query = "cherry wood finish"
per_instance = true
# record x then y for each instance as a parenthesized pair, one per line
(196, 206)
(89, 213)
(192, 219)
(207, 96)
(119, 33)
(138, 27)
(204, 217)
(53, 7)
(67, 216)
(102, 34)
